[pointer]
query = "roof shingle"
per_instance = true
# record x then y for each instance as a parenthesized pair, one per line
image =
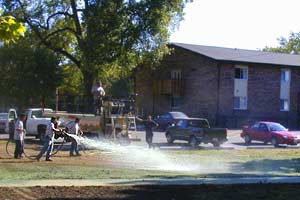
(241, 55)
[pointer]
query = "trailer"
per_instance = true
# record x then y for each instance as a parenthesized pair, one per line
(113, 123)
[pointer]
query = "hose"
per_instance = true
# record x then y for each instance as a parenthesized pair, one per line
(10, 141)
(54, 152)
(11, 154)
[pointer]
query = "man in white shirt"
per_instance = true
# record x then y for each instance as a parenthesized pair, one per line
(98, 93)
(73, 128)
(19, 137)
(48, 140)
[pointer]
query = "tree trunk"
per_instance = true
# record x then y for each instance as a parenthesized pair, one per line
(88, 97)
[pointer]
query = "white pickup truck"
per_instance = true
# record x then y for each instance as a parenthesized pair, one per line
(36, 123)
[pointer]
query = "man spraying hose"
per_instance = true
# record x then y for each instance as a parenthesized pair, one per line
(49, 139)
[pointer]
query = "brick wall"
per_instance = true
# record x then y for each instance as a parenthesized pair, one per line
(263, 96)
(199, 74)
(203, 91)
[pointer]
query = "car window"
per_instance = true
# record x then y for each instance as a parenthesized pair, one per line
(12, 115)
(166, 116)
(3, 115)
(181, 123)
(37, 114)
(263, 127)
(276, 127)
(179, 115)
(198, 123)
(255, 127)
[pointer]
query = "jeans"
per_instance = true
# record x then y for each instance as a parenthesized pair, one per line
(19, 148)
(48, 146)
(149, 138)
(74, 147)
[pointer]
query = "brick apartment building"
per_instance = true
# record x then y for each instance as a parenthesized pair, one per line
(229, 87)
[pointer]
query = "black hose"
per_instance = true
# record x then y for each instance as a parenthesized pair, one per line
(9, 141)
(11, 154)
(58, 148)
(7, 144)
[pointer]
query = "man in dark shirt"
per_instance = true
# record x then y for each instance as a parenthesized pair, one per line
(149, 124)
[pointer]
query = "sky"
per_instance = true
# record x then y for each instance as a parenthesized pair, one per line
(244, 24)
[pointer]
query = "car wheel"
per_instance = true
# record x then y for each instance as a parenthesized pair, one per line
(274, 142)
(216, 143)
(193, 142)
(169, 137)
(247, 139)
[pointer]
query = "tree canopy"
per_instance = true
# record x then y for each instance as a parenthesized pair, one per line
(101, 37)
(289, 45)
(29, 74)
(10, 29)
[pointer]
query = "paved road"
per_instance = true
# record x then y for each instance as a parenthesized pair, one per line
(234, 142)
(159, 139)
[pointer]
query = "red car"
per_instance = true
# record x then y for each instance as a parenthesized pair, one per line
(270, 132)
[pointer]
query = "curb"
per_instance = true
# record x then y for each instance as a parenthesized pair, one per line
(137, 182)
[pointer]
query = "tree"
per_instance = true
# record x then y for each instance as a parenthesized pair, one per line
(29, 74)
(10, 29)
(101, 35)
(289, 45)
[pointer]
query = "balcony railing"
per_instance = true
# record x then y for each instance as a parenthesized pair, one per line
(168, 87)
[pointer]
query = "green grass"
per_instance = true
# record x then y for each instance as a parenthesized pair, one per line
(211, 163)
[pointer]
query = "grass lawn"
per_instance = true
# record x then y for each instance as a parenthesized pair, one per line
(153, 164)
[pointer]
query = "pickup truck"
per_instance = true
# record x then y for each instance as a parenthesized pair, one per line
(196, 131)
(36, 123)
(7, 120)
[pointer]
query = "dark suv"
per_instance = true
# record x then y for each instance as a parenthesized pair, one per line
(196, 131)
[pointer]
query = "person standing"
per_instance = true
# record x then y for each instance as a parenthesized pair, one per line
(74, 129)
(48, 140)
(19, 137)
(149, 124)
(98, 93)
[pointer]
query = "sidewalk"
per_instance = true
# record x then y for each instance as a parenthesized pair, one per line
(130, 182)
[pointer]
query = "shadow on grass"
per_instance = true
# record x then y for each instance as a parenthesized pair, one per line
(268, 166)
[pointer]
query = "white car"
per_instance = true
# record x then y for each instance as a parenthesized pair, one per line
(7, 120)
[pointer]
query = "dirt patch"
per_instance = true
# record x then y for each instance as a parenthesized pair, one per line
(32, 147)
(202, 192)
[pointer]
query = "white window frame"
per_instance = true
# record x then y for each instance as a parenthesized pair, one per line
(285, 75)
(176, 74)
(241, 106)
(244, 70)
(286, 107)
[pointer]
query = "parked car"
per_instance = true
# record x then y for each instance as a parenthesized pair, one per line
(36, 123)
(270, 132)
(196, 131)
(169, 118)
(7, 120)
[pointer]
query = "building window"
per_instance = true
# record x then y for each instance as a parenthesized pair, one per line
(175, 102)
(241, 73)
(285, 75)
(176, 74)
(240, 103)
(284, 105)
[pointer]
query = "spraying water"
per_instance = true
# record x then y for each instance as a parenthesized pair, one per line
(139, 157)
